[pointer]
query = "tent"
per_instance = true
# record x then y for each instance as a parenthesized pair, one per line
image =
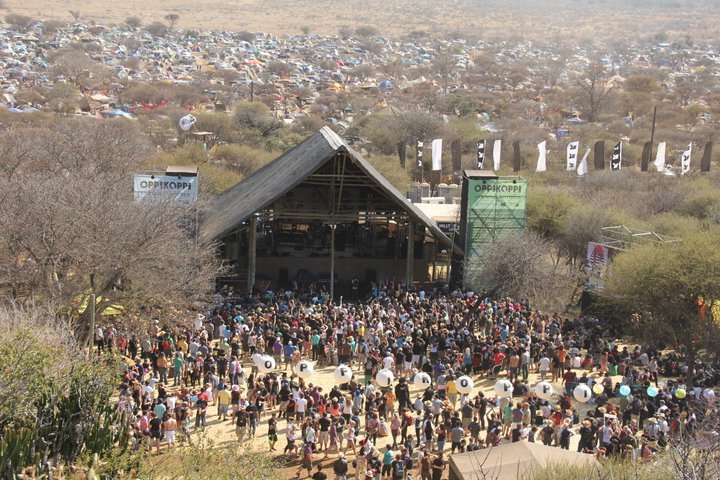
(511, 461)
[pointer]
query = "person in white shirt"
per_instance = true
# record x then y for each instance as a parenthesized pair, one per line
(300, 407)
(388, 362)
(544, 367)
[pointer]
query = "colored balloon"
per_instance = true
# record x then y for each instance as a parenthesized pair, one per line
(504, 388)
(342, 374)
(652, 392)
(680, 393)
(544, 390)
(465, 385)
(266, 364)
(582, 393)
(422, 380)
(624, 390)
(384, 378)
(255, 358)
(709, 394)
(304, 369)
(598, 388)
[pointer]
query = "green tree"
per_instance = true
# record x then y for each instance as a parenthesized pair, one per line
(664, 284)
(547, 212)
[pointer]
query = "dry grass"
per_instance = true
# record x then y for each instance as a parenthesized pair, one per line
(529, 19)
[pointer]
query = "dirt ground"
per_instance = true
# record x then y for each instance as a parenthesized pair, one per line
(223, 433)
(536, 20)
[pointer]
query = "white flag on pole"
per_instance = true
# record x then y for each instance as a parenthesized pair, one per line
(542, 157)
(437, 154)
(685, 160)
(582, 169)
(660, 157)
(497, 150)
(573, 149)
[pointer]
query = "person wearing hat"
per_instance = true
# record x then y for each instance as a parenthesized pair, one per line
(340, 467)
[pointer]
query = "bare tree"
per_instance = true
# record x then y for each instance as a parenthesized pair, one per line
(518, 264)
(596, 87)
(77, 67)
(87, 233)
(133, 22)
(172, 19)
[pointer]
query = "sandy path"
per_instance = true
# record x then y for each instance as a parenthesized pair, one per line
(223, 433)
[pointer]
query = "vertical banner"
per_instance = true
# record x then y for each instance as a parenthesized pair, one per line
(685, 160)
(616, 159)
(707, 156)
(582, 169)
(402, 150)
(456, 148)
(660, 157)
(542, 157)
(645, 157)
(598, 257)
(419, 154)
(480, 154)
(497, 151)
(517, 159)
(437, 155)
(573, 149)
(600, 155)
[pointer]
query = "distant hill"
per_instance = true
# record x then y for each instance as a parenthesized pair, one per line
(536, 20)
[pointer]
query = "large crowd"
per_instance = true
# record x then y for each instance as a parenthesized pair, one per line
(174, 381)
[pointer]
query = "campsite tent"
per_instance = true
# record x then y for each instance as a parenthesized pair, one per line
(511, 461)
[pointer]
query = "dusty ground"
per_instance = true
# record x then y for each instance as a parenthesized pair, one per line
(223, 433)
(531, 19)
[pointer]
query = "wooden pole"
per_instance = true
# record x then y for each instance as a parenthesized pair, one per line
(410, 254)
(332, 261)
(92, 306)
(652, 134)
(252, 254)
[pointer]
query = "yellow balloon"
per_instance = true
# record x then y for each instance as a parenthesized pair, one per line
(598, 388)
(680, 393)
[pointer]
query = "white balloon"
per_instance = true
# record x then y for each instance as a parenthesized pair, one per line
(504, 388)
(544, 390)
(342, 374)
(186, 122)
(422, 379)
(304, 369)
(464, 385)
(266, 364)
(582, 393)
(384, 378)
(255, 358)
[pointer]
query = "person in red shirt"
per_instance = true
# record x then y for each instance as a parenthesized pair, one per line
(498, 359)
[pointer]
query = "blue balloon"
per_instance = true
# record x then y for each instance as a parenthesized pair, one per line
(652, 391)
(624, 390)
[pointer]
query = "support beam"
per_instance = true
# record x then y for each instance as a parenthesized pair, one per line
(252, 254)
(410, 254)
(332, 261)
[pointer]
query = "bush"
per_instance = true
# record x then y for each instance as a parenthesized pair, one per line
(54, 404)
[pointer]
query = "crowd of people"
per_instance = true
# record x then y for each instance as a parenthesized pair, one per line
(175, 381)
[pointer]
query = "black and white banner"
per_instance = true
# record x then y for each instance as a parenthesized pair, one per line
(616, 160)
(572, 155)
(685, 160)
(419, 154)
(480, 154)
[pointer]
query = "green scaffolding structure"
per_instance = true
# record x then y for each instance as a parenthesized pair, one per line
(495, 206)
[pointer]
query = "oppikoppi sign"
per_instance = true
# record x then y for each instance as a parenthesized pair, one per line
(181, 188)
